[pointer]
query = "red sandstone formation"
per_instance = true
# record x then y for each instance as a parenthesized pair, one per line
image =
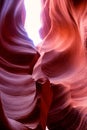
(49, 87)
(22, 99)
(63, 62)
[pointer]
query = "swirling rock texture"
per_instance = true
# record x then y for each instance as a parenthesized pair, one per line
(49, 87)
(63, 61)
(23, 104)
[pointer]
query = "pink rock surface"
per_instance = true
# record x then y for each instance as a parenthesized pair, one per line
(46, 86)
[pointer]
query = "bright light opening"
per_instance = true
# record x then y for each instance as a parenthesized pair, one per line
(32, 22)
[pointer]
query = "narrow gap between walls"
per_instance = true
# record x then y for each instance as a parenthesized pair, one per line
(32, 21)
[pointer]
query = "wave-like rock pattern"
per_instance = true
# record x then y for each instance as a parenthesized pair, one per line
(63, 61)
(22, 99)
(49, 88)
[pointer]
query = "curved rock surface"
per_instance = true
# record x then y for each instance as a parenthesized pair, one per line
(48, 86)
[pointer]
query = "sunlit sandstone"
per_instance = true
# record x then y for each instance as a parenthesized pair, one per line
(44, 85)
